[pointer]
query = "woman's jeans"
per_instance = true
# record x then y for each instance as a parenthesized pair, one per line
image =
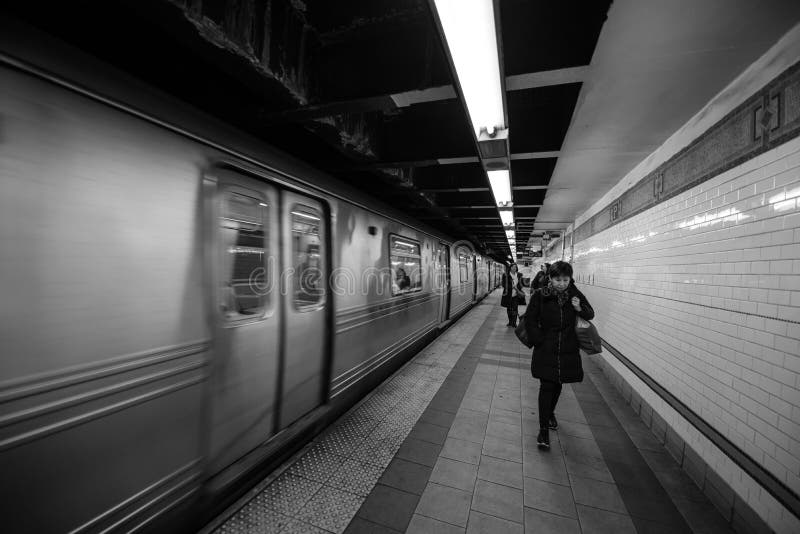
(513, 312)
(548, 397)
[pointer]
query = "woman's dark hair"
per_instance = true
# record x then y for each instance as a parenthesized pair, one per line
(560, 268)
(509, 266)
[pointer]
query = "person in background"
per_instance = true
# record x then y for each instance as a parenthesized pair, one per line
(402, 279)
(550, 322)
(540, 280)
(513, 293)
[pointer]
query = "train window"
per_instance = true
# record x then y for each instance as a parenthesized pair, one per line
(405, 258)
(463, 272)
(243, 283)
(308, 279)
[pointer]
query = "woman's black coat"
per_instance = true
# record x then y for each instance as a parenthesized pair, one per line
(552, 329)
(508, 289)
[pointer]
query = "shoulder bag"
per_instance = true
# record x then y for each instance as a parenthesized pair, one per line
(588, 337)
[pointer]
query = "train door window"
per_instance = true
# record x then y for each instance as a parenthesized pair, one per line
(243, 237)
(307, 278)
(404, 255)
(463, 273)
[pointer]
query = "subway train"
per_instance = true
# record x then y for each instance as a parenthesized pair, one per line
(182, 306)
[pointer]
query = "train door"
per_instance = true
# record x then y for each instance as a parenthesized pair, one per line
(305, 280)
(475, 264)
(443, 280)
(242, 246)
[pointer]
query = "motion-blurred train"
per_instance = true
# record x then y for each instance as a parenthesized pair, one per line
(182, 307)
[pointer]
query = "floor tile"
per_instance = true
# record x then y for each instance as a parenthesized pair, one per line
(500, 448)
(295, 526)
(389, 507)
(580, 447)
(703, 517)
(330, 509)
(549, 497)
(643, 526)
(545, 467)
(571, 428)
(407, 476)
(429, 432)
(588, 467)
(456, 474)
(595, 521)
(498, 415)
(487, 524)
(462, 450)
(499, 501)
(468, 431)
(445, 504)
(361, 526)
(479, 405)
(540, 522)
(355, 477)
(500, 471)
(598, 495)
(422, 452)
(437, 417)
(427, 525)
(679, 486)
(504, 431)
(653, 506)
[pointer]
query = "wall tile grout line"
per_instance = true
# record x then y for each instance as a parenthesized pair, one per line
(749, 314)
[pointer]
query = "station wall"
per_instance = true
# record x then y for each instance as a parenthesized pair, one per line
(701, 292)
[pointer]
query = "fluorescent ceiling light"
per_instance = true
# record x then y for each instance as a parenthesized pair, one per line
(510, 234)
(507, 216)
(501, 187)
(470, 34)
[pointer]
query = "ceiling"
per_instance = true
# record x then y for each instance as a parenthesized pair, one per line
(363, 89)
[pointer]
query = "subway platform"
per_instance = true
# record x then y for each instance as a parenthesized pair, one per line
(448, 445)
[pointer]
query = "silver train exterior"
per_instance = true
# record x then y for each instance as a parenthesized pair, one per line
(142, 373)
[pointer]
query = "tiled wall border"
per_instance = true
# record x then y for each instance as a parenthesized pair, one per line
(735, 510)
(765, 120)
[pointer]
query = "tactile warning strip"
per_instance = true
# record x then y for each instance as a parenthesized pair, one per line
(324, 486)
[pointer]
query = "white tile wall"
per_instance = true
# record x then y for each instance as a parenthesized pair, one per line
(703, 293)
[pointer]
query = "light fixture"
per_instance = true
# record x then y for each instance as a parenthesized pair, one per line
(501, 187)
(507, 217)
(469, 30)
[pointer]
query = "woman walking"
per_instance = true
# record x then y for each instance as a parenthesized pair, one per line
(550, 322)
(513, 294)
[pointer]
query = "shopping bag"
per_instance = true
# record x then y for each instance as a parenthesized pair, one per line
(522, 332)
(588, 337)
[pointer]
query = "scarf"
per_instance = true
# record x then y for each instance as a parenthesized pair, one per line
(561, 295)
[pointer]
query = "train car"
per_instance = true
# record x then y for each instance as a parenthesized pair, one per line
(182, 306)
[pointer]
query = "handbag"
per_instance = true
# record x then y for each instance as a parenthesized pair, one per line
(522, 332)
(588, 337)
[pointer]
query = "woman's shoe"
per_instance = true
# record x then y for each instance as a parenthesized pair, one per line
(552, 423)
(543, 439)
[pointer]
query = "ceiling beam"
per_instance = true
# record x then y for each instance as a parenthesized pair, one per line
(530, 80)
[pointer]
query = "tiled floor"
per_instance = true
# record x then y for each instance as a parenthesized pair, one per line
(448, 444)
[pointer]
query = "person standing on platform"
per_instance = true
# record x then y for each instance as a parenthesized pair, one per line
(550, 322)
(513, 294)
(540, 280)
